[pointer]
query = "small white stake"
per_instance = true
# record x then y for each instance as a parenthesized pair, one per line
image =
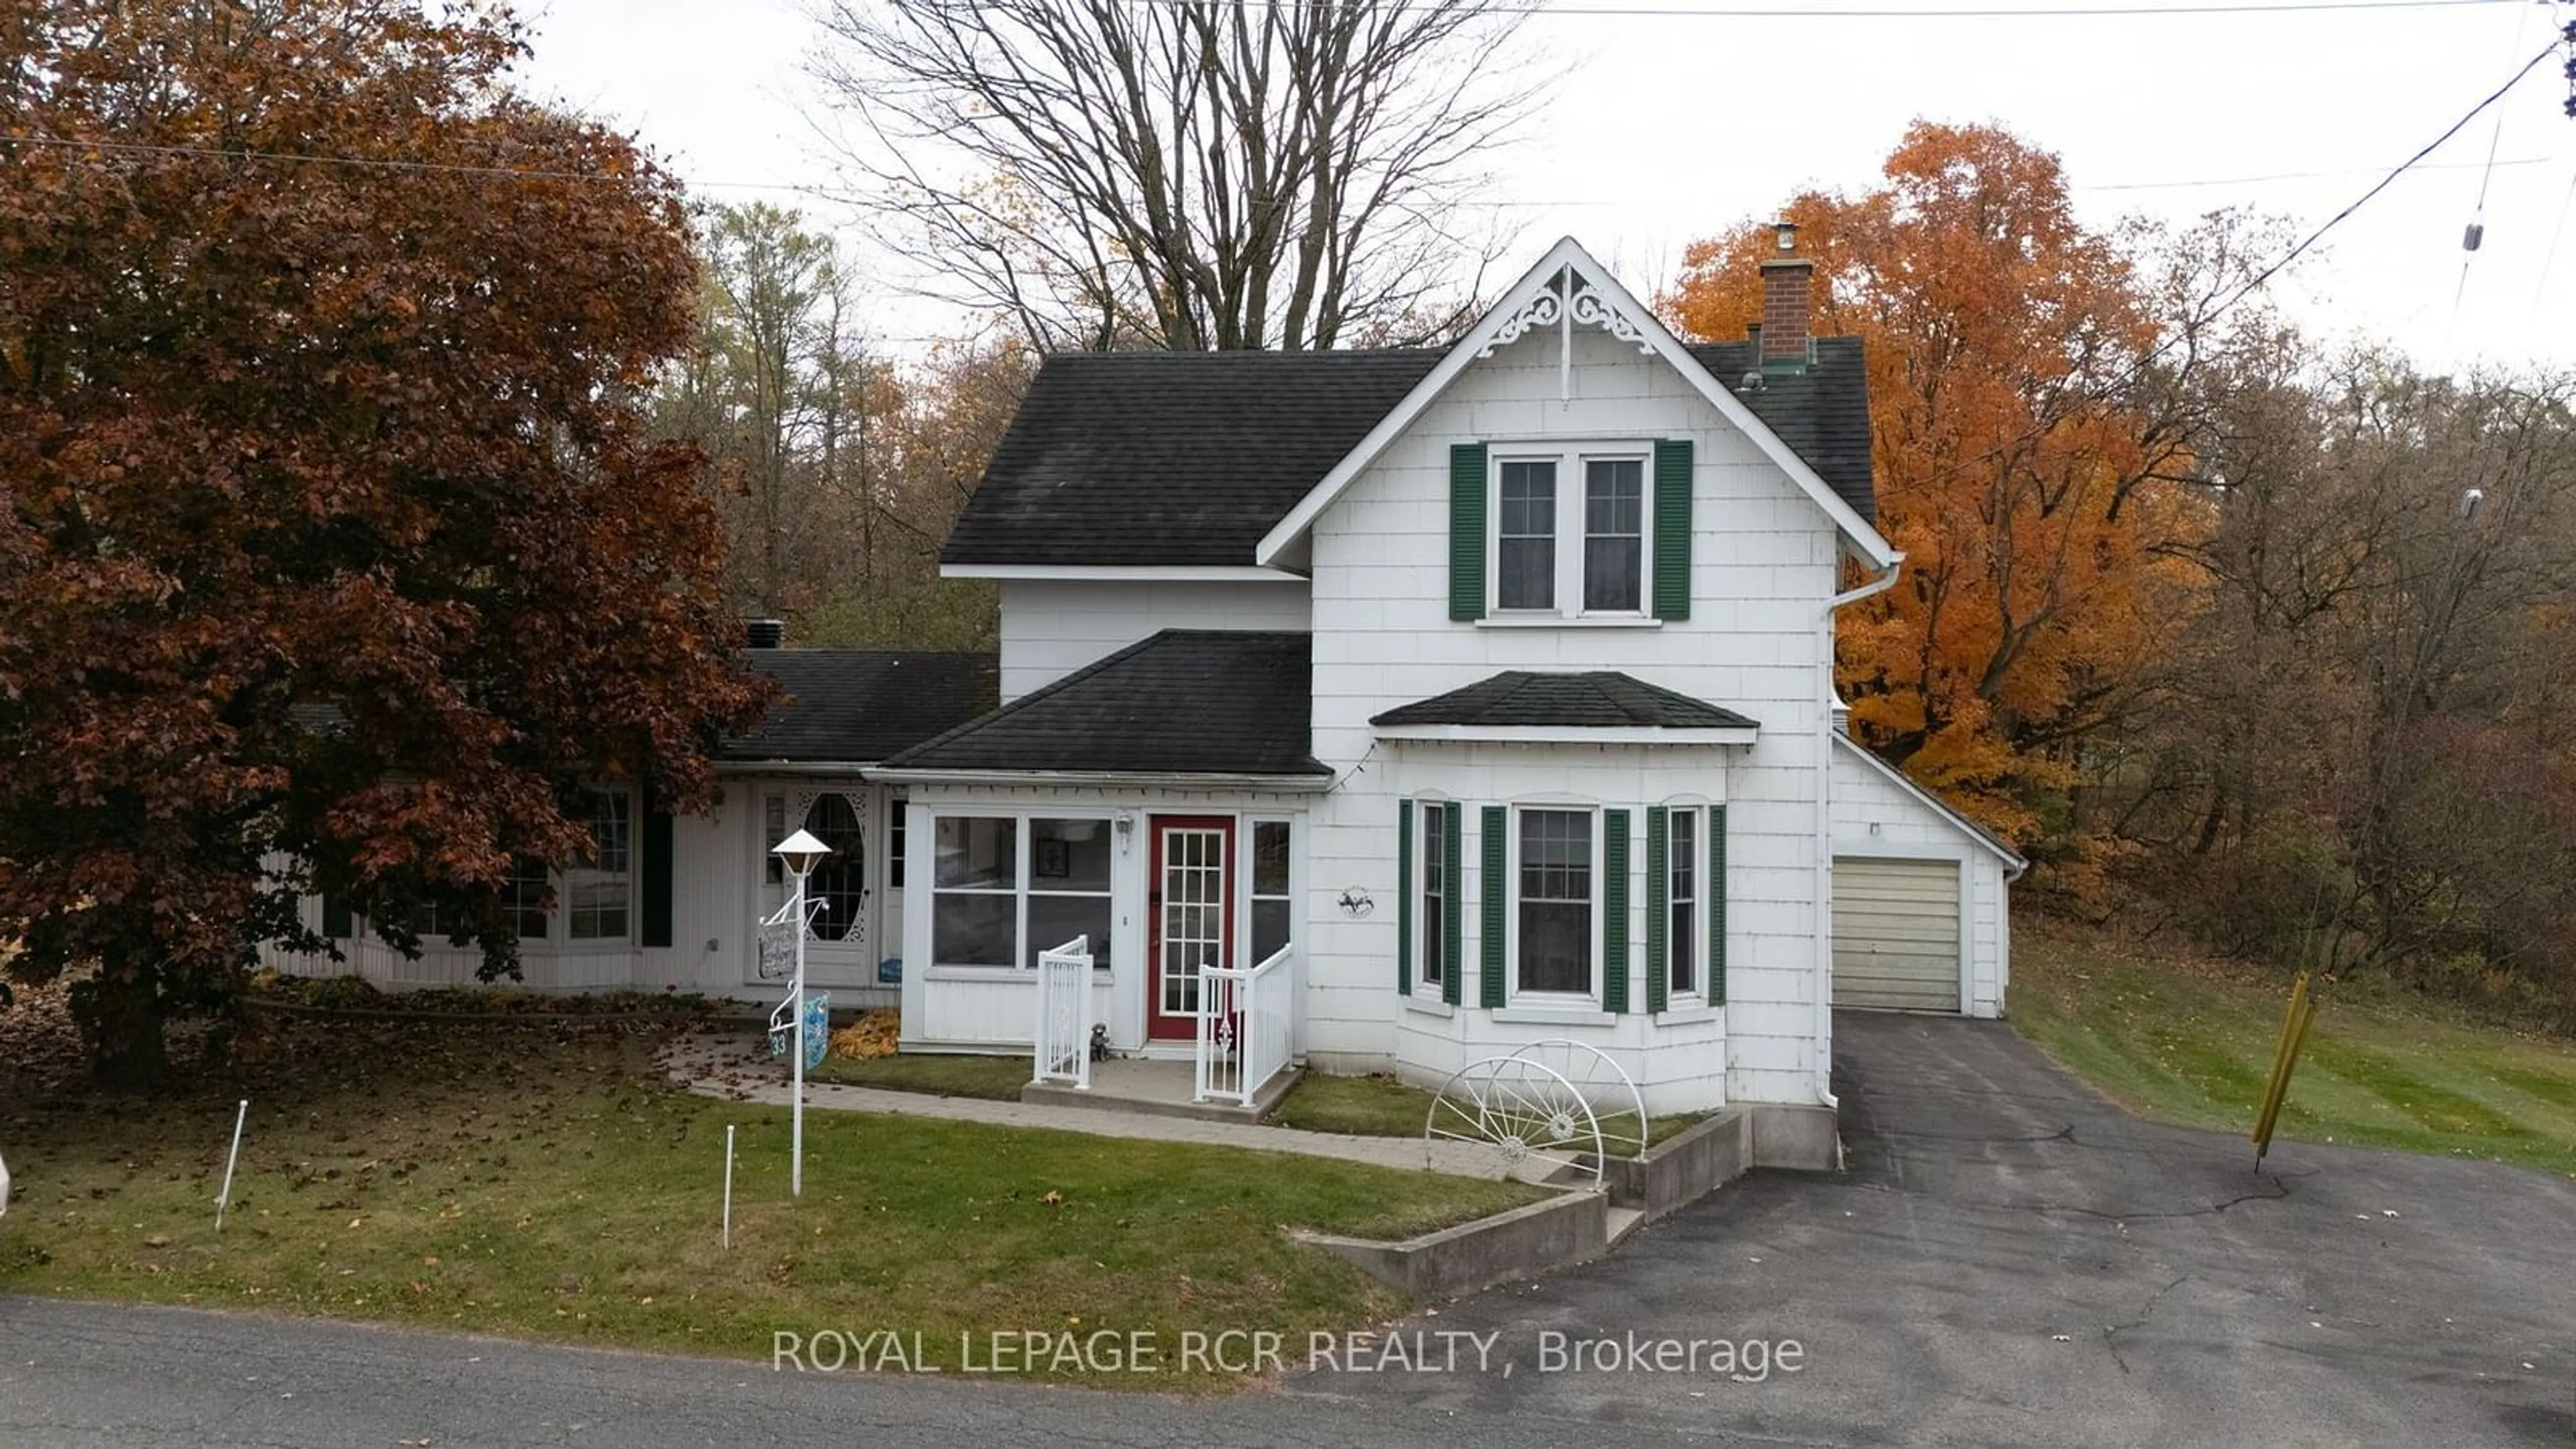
(728, 1198)
(224, 1198)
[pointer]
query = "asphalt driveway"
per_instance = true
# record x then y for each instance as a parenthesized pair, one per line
(2009, 1259)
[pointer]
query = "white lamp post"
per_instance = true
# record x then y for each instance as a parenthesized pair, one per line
(800, 853)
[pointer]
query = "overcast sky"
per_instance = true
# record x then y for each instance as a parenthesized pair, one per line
(1668, 127)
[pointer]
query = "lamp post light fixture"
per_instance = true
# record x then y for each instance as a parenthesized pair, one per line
(800, 853)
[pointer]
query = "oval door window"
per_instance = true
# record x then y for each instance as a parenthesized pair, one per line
(840, 880)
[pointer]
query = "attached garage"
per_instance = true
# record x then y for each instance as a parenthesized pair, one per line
(1921, 917)
(1896, 934)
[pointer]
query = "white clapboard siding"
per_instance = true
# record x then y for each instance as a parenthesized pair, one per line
(1896, 934)
(1052, 627)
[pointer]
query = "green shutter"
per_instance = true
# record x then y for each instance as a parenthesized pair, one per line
(1494, 888)
(337, 922)
(1715, 890)
(1453, 901)
(1467, 531)
(1659, 912)
(1614, 910)
(1404, 896)
(654, 889)
(1672, 528)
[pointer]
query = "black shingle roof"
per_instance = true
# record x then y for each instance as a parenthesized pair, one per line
(1821, 413)
(862, 705)
(1186, 701)
(1604, 699)
(1162, 458)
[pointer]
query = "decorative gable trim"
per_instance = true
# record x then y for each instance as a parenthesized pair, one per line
(1527, 306)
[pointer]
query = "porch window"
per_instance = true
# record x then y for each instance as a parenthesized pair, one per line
(1005, 889)
(599, 883)
(1556, 881)
(895, 811)
(1068, 888)
(1270, 898)
(974, 913)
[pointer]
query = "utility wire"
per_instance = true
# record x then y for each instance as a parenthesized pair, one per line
(2133, 370)
(2475, 236)
(1941, 12)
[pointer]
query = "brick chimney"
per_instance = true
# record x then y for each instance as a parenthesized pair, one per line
(1787, 281)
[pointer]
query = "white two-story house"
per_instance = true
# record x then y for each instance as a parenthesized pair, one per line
(1477, 695)
(1378, 710)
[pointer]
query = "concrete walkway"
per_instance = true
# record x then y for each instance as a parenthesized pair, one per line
(740, 1068)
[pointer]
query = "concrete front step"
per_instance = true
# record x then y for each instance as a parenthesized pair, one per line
(1157, 1089)
(1624, 1221)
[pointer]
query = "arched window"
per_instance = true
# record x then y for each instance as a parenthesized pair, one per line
(840, 880)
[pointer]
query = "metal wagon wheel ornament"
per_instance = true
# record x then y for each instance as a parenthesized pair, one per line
(1612, 1094)
(1525, 1109)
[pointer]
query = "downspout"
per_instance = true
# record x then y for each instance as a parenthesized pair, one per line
(1821, 1036)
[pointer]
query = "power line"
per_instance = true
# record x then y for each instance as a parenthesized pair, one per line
(2133, 370)
(1944, 12)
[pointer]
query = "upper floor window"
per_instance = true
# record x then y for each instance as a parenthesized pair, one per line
(1571, 531)
(1542, 532)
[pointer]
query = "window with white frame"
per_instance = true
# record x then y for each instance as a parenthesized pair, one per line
(600, 882)
(1004, 888)
(524, 896)
(1432, 920)
(1271, 927)
(1600, 571)
(1555, 909)
(1681, 903)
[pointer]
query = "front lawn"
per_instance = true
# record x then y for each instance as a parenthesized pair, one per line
(2187, 1040)
(543, 1181)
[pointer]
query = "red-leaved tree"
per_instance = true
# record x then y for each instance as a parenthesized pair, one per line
(332, 556)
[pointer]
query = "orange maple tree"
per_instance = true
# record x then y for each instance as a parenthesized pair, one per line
(2021, 466)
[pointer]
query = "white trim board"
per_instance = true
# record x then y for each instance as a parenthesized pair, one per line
(1126, 573)
(1863, 539)
(1567, 734)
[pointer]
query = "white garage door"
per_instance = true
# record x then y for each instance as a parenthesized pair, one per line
(1896, 934)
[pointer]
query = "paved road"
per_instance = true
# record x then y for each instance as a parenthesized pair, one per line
(96, 1376)
(2010, 1260)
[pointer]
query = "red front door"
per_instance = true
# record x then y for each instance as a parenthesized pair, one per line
(1193, 919)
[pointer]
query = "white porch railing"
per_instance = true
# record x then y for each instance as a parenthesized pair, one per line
(1246, 1019)
(1064, 1014)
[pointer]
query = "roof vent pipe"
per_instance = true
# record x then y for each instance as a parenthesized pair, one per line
(764, 633)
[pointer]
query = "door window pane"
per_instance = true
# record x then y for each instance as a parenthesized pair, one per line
(1525, 551)
(1614, 534)
(839, 881)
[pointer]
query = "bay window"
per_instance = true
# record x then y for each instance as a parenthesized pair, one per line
(1554, 881)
